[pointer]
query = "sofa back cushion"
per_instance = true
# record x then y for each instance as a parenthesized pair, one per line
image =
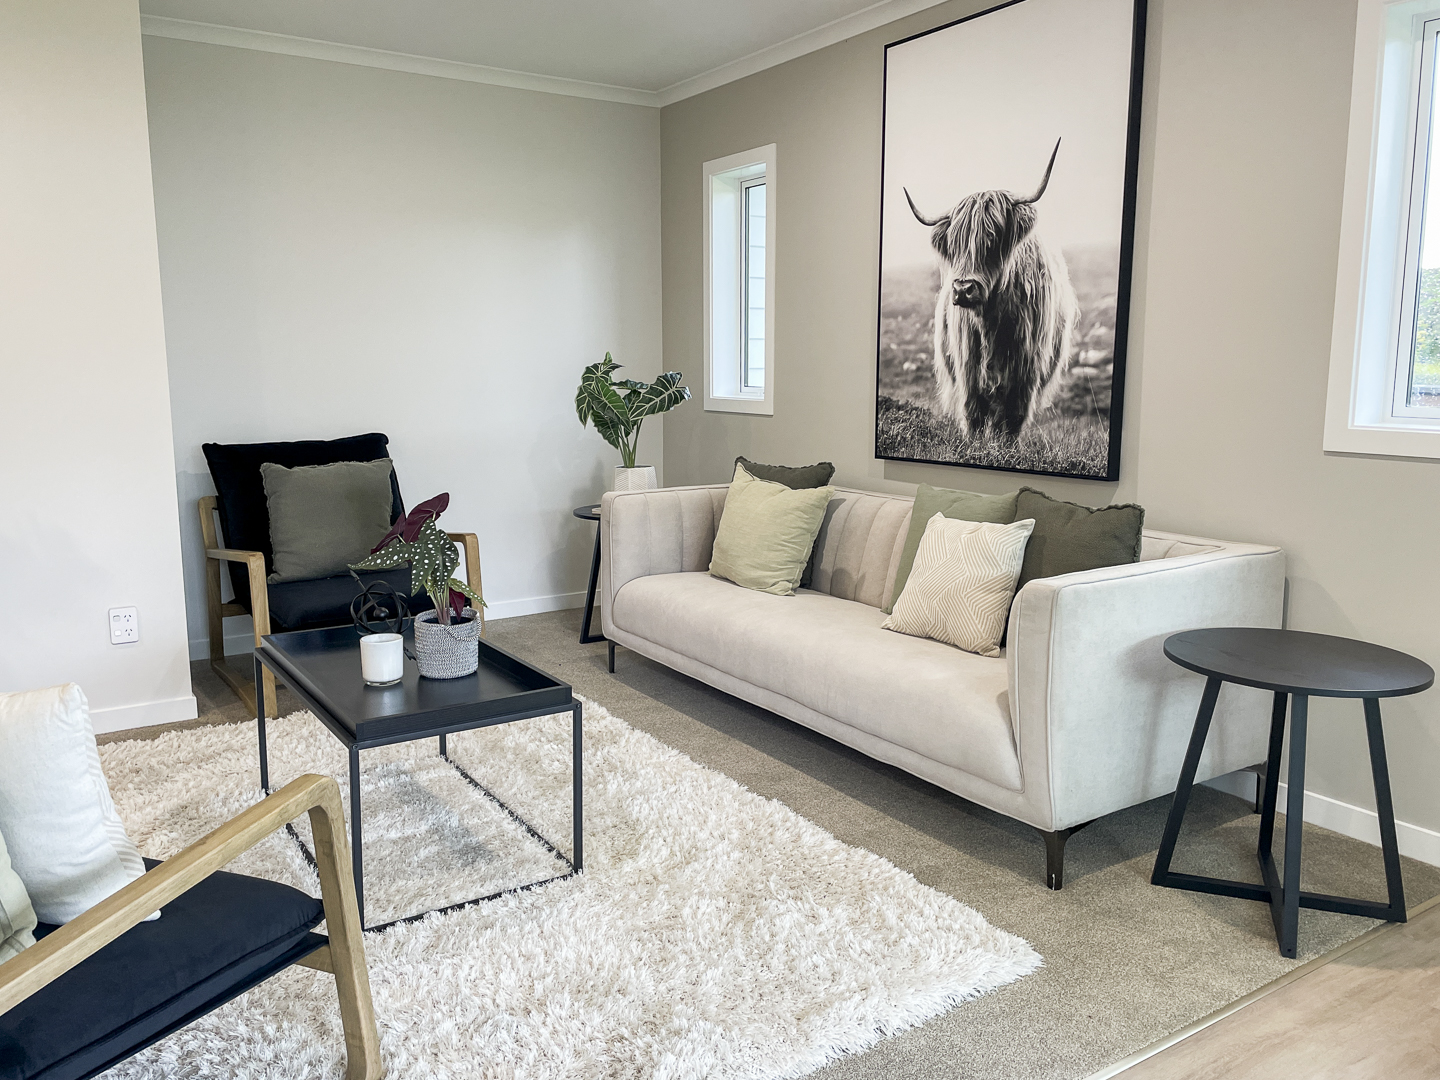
(858, 549)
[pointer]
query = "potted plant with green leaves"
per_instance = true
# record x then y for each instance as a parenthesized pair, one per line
(446, 639)
(617, 408)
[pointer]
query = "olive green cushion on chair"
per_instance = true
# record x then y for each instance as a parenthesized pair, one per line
(17, 917)
(766, 532)
(959, 505)
(793, 476)
(1069, 537)
(325, 517)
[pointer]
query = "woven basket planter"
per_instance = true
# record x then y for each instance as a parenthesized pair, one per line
(447, 652)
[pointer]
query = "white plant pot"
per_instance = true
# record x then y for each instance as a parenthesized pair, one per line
(641, 478)
(447, 652)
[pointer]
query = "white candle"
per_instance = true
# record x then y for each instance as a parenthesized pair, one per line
(382, 658)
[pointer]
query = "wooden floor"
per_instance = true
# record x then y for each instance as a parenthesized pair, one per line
(1371, 1014)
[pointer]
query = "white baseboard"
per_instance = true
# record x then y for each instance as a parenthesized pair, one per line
(1415, 841)
(241, 642)
(144, 714)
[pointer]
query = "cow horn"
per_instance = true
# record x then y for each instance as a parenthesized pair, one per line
(1045, 180)
(916, 211)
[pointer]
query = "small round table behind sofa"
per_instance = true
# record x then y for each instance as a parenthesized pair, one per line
(1299, 666)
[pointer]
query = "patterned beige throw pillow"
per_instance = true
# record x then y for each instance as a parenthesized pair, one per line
(963, 581)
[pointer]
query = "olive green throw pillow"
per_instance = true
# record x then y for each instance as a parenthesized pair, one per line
(1069, 537)
(793, 476)
(766, 533)
(959, 505)
(325, 517)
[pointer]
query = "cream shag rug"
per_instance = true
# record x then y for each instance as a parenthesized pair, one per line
(714, 933)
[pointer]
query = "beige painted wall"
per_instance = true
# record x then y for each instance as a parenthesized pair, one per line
(346, 249)
(85, 454)
(1242, 158)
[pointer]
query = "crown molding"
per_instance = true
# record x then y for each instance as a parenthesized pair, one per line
(860, 22)
(263, 41)
(847, 26)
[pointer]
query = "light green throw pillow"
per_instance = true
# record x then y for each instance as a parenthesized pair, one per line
(959, 505)
(766, 533)
(17, 916)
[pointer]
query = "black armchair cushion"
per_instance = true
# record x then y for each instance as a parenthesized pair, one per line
(317, 602)
(240, 491)
(210, 944)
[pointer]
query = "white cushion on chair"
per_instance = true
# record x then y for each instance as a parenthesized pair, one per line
(65, 840)
(17, 917)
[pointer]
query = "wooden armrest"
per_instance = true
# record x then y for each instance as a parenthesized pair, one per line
(61, 950)
(235, 555)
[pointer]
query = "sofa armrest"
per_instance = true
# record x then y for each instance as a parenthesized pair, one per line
(662, 531)
(1101, 717)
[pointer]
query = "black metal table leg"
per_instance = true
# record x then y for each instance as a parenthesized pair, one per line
(260, 727)
(1389, 845)
(444, 749)
(586, 637)
(1161, 874)
(1285, 907)
(578, 784)
(356, 835)
(1272, 778)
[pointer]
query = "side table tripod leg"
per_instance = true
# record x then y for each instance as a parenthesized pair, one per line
(578, 782)
(260, 728)
(1380, 770)
(1272, 776)
(1187, 781)
(1289, 924)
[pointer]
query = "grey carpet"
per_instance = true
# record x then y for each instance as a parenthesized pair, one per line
(1125, 963)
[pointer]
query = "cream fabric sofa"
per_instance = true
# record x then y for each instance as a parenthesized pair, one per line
(1081, 716)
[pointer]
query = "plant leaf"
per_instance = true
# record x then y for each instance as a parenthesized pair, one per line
(408, 527)
(396, 553)
(660, 396)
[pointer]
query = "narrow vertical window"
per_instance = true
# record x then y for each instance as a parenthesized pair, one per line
(1417, 377)
(740, 282)
(754, 214)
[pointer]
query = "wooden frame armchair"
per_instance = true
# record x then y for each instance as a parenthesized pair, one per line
(83, 941)
(259, 610)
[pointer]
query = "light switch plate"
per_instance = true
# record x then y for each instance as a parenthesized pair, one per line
(124, 625)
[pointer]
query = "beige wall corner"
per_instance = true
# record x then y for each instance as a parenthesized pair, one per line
(85, 452)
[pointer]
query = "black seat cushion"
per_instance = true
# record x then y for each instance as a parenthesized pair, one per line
(308, 605)
(210, 944)
(240, 490)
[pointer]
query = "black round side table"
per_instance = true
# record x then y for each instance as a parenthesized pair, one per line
(590, 513)
(1299, 666)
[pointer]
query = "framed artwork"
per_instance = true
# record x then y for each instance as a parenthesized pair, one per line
(1007, 220)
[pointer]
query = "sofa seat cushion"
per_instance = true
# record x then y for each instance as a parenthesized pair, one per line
(831, 655)
(317, 602)
(214, 941)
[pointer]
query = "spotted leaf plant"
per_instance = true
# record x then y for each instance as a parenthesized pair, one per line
(415, 540)
(618, 408)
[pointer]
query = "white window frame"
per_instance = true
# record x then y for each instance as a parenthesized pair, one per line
(1380, 234)
(724, 180)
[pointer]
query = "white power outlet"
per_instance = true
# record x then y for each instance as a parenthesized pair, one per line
(124, 625)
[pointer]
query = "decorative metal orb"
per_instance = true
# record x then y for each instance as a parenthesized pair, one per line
(378, 608)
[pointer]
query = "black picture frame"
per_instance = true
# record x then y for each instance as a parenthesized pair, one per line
(1061, 433)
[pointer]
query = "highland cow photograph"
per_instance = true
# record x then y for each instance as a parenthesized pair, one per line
(1007, 210)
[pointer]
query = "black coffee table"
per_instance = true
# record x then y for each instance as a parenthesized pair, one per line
(1298, 666)
(322, 667)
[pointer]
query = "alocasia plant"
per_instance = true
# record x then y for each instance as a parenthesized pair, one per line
(617, 409)
(416, 539)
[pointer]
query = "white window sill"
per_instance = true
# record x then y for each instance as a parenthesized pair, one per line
(756, 404)
(1385, 441)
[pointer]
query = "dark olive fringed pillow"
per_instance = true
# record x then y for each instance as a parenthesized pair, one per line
(797, 478)
(1069, 537)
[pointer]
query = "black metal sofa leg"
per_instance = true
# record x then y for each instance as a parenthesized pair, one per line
(1055, 854)
(610, 649)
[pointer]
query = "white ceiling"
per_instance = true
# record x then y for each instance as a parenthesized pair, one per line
(659, 48)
